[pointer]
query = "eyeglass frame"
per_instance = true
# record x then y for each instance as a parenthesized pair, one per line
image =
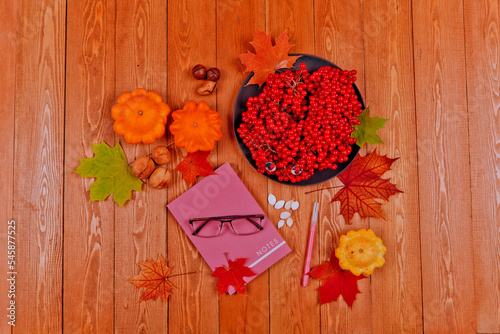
(226, 219)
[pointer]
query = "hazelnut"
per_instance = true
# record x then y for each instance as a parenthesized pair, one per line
(213, 74)
(161, 155)
(160, 178)
(143, 167)
(207, 87)
(199, 72)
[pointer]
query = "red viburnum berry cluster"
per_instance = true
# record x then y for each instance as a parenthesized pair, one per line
(301, 122)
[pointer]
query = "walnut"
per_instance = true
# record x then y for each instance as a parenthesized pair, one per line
(160, 178)
(161, 155)
(143, 167)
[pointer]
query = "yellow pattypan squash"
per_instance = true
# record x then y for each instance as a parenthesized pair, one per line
(196, 127)
(140, 116)
(360, 252)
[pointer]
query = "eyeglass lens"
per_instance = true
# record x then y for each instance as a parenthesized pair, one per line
(209, 228)
(243, 226)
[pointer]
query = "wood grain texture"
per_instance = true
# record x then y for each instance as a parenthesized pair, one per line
(8, 31)
(388, 47)
(443, 167)
(88, 300)
(38, 165)
(339, 38)
(192, 40)
(140, 225)
(292, 308)
(482, 20)
(250, 313)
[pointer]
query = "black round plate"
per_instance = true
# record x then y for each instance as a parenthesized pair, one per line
(313, 63)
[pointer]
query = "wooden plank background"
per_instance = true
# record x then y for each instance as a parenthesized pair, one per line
(8, 33)
(431, 67)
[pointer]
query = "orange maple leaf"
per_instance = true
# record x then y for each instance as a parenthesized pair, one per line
(195, 164)
(267, 58)
(153, 277)
(364, 185)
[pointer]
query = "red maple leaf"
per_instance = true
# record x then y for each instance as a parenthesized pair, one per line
(336, 282)
(267, 58)
(154, 278)
(195, 164)
(233, 276)
(363, 186)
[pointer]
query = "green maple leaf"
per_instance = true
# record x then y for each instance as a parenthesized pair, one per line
(366, 132)
(113, 174)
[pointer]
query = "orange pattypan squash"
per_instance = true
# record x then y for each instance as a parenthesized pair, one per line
(140, 116)
(196, 127)
(360, 252)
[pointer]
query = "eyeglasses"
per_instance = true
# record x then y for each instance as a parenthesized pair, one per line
(210, 227)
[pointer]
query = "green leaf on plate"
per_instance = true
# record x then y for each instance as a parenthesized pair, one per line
(113, 174)
(366, 132)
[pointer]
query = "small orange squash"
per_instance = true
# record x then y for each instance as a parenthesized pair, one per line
(140, 116)
(360, 252)
(196, 127)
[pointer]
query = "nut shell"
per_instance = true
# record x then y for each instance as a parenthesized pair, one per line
(213, 74)
(161, 155)
(207, 87)
(160, 178)
(143, 167)
(199, 72)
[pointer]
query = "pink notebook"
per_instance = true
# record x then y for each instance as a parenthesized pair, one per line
(223, 195)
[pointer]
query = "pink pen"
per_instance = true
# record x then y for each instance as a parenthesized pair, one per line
(310, 244)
